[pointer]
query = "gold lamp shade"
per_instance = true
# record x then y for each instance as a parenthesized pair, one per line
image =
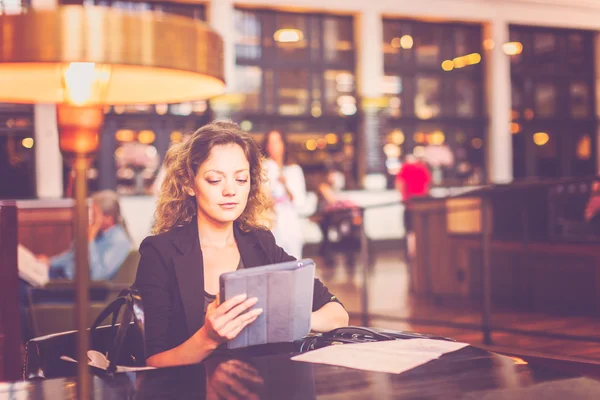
(96, 55)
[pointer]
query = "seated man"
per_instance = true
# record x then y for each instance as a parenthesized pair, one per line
(109, 245)
(109, 242)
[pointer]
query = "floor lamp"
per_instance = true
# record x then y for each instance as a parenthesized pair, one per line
(84, 58)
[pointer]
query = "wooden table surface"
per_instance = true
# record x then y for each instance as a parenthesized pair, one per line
(470, 373)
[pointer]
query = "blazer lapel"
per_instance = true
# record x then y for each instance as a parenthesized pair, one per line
(251, 252)
(189, 269)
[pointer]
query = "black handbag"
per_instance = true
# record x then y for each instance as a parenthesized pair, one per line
(122, 342)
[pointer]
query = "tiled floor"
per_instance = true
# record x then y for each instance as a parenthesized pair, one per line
(390, 299)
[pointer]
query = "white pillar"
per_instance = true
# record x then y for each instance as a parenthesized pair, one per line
(48, 160)
(499, 153)
(369, 34)
(222, 19)
(43, 4)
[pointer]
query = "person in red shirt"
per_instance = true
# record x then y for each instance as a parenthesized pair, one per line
(412, 180)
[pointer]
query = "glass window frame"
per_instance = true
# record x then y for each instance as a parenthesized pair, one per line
(320, 118)
(404, 64)
(11, 112)
(315, 63)
(526, 74)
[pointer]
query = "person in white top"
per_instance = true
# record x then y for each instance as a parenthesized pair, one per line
(288, 192)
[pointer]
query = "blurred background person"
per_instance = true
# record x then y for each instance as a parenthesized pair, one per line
(413, 180)
(288, 193)
(109, 241)
(109, 245)
(340, 223)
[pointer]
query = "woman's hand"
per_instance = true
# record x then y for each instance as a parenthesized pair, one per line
(224, 322)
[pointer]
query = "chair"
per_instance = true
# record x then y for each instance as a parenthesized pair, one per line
(51, 308)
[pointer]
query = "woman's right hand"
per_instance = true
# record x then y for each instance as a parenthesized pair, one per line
(224, 322)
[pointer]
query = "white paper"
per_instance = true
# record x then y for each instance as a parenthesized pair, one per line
(99, 360)
(392, 356)
(31, 270)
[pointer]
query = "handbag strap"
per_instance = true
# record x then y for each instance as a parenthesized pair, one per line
(115, 350)
(113, 309)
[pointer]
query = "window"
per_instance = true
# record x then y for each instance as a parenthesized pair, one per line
(315, 144)
(428, 97)
(136, 138)
(190, 10)
(13, 6)
(295, 72)
(434, 86)
(545, 99)
(137, 161)
(299, 64)
(248, 84)
(17, 152)
(553, 119)
(247, 36)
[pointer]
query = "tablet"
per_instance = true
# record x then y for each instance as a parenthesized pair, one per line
(284, 292)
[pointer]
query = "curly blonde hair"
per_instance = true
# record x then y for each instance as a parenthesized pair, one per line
(176, 207)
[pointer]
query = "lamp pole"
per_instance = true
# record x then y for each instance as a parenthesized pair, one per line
(82, 273)
(79, 129)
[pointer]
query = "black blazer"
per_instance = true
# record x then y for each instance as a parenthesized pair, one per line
(170, 278)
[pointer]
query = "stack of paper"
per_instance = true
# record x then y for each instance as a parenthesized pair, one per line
(393, 356)
(31, 270)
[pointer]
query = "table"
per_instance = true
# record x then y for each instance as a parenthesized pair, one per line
(470, 373)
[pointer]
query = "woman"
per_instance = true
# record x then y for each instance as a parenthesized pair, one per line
(288, 192)
(207, 223)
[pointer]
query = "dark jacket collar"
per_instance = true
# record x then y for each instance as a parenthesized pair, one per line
(189, 268)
